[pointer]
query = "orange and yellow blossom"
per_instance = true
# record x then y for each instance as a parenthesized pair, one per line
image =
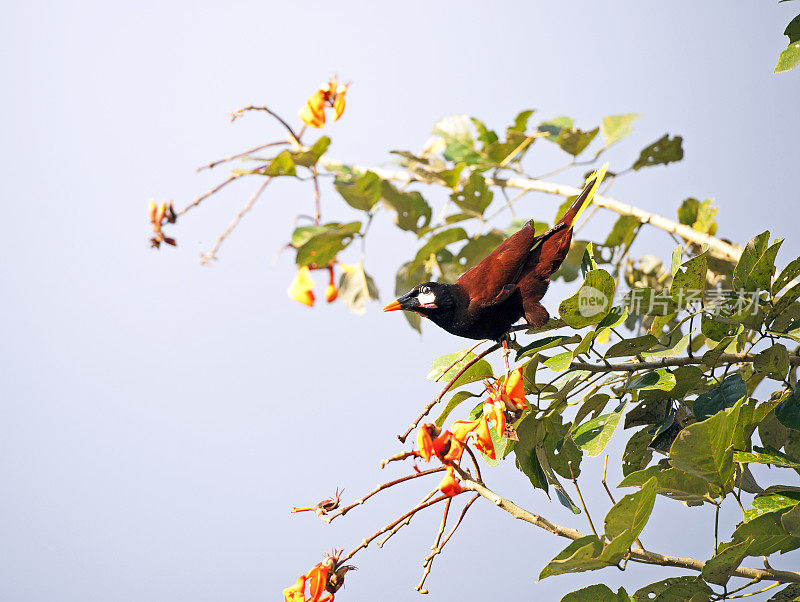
(478, 429)
(297, 592)
(331, 293)
(317, 579)
(444, 446)
(511, 392)
(302, 287)
(330, 94)
(449, 485)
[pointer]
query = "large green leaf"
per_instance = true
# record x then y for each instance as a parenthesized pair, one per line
(413, 213)
(675, 484)
(630, 514)
(760, 277)
(281, 165)
(592, 301)
(321, 248)
(439, 241)
(623, 231)
(788, 411)
(475, 197)
(705, 449)
(456, 131)
(661, 379)
(727, 559)
(772, 500)
(761, 455)
(767, 533)
(663, 151)
(310, 157)
(688, 285)
(525, 452)
(751, 253)
(675, 589)
(593, 435)
(580, 555)
(361, 192)
(773, 362)
(596, 593)
(731, 390)
(478, 371)
(789, 58)
(636, 455)
(789, 273)
(615, 127)
(574, 141)
(632, 346)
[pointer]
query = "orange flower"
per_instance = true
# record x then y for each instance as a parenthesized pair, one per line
(425, 442)
(302, 287)
(511, 392)
(318, 577)
(330, 94)
(495, 409)
(331, 293)
(296, 593)
(444, 446)
(479, 431)
(449, 485)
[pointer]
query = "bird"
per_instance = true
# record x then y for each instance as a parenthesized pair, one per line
(487, 300)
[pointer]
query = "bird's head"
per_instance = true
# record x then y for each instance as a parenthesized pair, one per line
(428, 299)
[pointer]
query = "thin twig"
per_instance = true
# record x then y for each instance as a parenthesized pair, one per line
(429, 560)
(636, 554)
(239, 112)
(366, 541)
(380, 488)
(203, 197)
(446, 388)
(580, 496)
(438, 549)
(211, 255)
(405, 521)
(733, 358)
(242, 154)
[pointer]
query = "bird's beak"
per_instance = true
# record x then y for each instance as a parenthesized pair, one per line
(393, 306)
(408, 301)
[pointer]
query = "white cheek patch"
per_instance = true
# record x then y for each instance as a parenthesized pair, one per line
(427, 300)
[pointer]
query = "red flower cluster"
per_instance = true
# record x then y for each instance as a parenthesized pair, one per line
(448, 446)
(323, 581)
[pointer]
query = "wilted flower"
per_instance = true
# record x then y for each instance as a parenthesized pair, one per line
(330, 94)
(323, 507)
(324, 580)
(157, 214)
(331, 292)
(302, 287)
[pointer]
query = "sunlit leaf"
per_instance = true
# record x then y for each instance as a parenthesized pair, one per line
(478, 371)
(362, 192)
(615, 127)
(663, 151)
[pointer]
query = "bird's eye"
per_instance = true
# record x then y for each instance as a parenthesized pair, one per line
(424, 290)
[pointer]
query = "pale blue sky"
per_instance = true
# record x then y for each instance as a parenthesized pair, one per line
(159, 418)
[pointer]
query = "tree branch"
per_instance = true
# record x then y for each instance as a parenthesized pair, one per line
(725, 358)
(637, 554)
(719, 248)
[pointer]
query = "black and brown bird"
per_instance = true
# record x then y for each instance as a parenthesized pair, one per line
(507, 285)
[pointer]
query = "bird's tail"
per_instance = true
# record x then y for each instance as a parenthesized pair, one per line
(585, 197)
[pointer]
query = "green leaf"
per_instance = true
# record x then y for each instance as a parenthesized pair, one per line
(525, 452)
(574, 141)
(456, 132)
(579, 555)
(675, 484)
(792, 30)
(673, 351)
(623, 231)
(439, 241)
(774, 362)
(476, 249)
(485, 135)
(615, 127)
(303, 234)
(636, 455)
(521, 121)
(413, 213)
(554, 126)
(660, 379)
(791, 521)
(788, 411)
(675, 589)
(791, 592)
(321, 248)
(704, 449)
(630, 514)
(768, 535)
(544, 343)
(452, 404)
(789, 273)
(633, 346)
(663, 151)
(308, 158)
(789, 58)
(282, 165)
(689, 285)
(559, 362)
(592, 404)
(772, 501)
(731, 390)
(593, 435)
(474, 197)
(765, 457)
(478, 371)
(751, 253)
(784, 302)
(356, 287)
(594, 593)
(592, 301)
(760, 277)
(727, 559)
(361, 193)
(452, 177)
